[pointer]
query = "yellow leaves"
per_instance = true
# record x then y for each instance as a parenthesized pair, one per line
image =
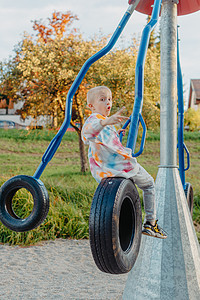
(192, 119)
(49, 66)
(51, 56)
(35, 61)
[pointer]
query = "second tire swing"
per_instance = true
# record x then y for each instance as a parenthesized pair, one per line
(115, 225)
(8, 215)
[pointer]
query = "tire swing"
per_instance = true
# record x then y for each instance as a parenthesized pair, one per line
(128, 207)
(40, 207)
(115, 225)
(189, 196)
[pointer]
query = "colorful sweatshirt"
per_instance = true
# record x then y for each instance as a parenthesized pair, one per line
(107, 156)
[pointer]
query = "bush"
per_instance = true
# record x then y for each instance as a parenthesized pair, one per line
(68, 217)
(192, 119)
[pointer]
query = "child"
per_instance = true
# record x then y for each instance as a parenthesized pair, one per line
(109, 158)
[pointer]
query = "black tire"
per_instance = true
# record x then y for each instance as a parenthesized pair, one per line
(189, 196)
(40, 207)
(115, 225)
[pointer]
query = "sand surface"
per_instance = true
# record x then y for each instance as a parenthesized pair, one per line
(60, 269)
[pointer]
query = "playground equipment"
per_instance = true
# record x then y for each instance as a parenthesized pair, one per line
(119, 241)
(115, 225)
(32, 183)
(115, 217)
(181, 145)
(168, 269)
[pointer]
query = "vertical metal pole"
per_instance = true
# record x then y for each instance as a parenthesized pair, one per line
(168, 269)
(168, 101)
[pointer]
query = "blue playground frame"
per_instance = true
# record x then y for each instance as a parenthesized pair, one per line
(181, 145)
(136, 115)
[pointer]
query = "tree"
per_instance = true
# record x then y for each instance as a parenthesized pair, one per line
(151, 108)
(59, 23)
(117, 71)
(192, 119)
(44, 70)
(47, 68)
(9, 80)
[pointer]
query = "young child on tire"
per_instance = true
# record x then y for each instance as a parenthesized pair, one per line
(109, 158)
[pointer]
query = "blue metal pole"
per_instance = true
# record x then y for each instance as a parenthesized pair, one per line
(54, 144)
(180, 118)
(139, 76)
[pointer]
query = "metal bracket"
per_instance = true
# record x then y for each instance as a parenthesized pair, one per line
(132, 6)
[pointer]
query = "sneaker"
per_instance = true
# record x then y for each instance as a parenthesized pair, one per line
(155, 231)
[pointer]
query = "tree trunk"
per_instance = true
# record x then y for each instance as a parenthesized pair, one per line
(83, 157)
(55, 115)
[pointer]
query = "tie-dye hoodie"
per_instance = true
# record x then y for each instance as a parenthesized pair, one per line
(107, 156)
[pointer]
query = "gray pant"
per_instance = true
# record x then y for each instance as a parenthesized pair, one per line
(146, 183)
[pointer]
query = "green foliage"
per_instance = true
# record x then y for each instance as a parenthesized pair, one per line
(35, 135)
(70, 191)
(45, 67)
(188, 136)
(48, 135)
(196, 214)
(192, 135)
(22, 203)
(66, 218)
(68, 215)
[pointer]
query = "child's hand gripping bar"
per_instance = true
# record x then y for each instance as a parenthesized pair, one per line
(141, 120)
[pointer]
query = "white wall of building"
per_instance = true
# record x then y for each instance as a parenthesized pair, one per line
(11, 116)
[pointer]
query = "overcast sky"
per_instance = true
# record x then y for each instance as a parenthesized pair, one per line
(95, 16)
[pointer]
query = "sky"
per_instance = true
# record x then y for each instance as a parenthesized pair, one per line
(96, 16)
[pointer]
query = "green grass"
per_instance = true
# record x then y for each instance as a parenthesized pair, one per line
(70, 191)
(155, 136)
(35, 135)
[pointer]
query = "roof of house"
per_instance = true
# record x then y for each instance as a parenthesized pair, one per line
(194, 88)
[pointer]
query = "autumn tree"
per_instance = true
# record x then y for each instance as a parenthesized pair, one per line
(46, 67)
(192, 119)
(9, 81)
(58, 26)
(117, 71)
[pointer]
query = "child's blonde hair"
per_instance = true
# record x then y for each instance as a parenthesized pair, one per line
(92, 93)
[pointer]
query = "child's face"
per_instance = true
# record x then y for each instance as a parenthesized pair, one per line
(103, 102)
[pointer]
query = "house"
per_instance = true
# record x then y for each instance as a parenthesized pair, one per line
(194, 94)
(8, 113)
(8, 110)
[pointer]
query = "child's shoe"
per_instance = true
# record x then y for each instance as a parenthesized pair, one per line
(155, 231)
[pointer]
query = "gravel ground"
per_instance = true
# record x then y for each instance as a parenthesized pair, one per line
(60, 269)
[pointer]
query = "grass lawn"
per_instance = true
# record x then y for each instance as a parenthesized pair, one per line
(71, 191)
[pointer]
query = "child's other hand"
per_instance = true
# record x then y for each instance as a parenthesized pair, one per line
(121, 130)
(114, 119)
